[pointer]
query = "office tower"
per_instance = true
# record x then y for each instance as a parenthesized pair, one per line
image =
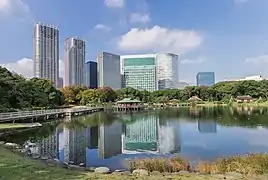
(91, 72)
(205, 79)
(46, 52)
(167, 71)
(74, 59)
(140, 71)
(109, 70)
(60, 82)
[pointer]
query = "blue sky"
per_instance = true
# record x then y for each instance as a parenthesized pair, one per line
(229, 37)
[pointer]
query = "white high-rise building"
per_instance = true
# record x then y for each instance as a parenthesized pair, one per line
(150, 71)
(74, 59)
(46, 52)
(109, 70)
(167, 71)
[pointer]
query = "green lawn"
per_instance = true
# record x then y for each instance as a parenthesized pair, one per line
(15, 167)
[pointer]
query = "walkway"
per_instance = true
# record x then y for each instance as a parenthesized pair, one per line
(45, 114)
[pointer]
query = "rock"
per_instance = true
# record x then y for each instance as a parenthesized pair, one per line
(35, 156)
(155, 173)
(140, 172)
(70, 162)
(44, 158)
(82, 164)
(168, 177)
(118, 170)
(2, 142)
(12, 145)
(233, 175)
(184, 173)
(126, 173)
(91, 169)
(102, 170)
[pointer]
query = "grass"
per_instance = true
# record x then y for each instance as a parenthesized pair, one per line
(15, 167)
(160, 164)
(251, 164)
(17, 125)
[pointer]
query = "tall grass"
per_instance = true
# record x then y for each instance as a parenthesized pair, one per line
(160, 164)
(251, 164)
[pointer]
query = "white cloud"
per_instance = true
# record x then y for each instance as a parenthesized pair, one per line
(25, 66)
(258, 60)
(160, 39)
(139, 18)
(198, 60)
(16, 8)
(102, 27)
(114, 3)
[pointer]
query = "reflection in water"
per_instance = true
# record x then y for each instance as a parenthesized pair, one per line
(104, 139)
(207, 126)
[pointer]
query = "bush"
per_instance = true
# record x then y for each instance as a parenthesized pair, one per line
(251, 164)
(160, 164)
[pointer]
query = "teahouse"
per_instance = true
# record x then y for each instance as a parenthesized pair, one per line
(129, 104)
(246, 98)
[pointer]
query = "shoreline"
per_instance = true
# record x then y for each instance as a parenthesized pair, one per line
(16, 166)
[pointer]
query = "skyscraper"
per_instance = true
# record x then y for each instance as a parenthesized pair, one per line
(109, 70)
(150, 72)
(205, 79)
(74, 59)
(167, 71)
(91, 73)
(140, 71)
(46, 52)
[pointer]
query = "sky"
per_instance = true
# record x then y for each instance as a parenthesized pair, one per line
(229, 37)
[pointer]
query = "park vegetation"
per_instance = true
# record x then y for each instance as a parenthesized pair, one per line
(222, 92)
(20, 93)
(17, 92)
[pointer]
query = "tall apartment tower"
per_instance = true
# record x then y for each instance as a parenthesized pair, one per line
(46, 52)
(74, 59)
(167, 71)
(109, 70)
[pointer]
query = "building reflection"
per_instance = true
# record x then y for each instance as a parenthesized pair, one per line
(97, 143)
(110, 140)
(207, 126)
(151, 135)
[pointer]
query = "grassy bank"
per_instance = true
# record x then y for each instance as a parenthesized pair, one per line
(15, 167)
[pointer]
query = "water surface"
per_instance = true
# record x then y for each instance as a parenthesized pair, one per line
(108, 139)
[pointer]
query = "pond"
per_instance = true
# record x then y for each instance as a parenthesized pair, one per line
(111, 140)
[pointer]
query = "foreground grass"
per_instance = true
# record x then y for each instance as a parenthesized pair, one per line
(251, 164)
(160, 164)
(15, 167)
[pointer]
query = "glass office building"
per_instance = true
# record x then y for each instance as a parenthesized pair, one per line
(140, 72)
(109, 71)
(205, 79)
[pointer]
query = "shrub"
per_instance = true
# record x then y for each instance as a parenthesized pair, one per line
(251, 164)
(160, 164)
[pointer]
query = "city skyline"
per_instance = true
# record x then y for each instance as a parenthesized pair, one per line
(208, 36)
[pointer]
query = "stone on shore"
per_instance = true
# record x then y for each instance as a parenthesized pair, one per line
(102, 170)
(140, 172)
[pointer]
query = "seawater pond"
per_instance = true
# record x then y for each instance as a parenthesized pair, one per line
(111, 140)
